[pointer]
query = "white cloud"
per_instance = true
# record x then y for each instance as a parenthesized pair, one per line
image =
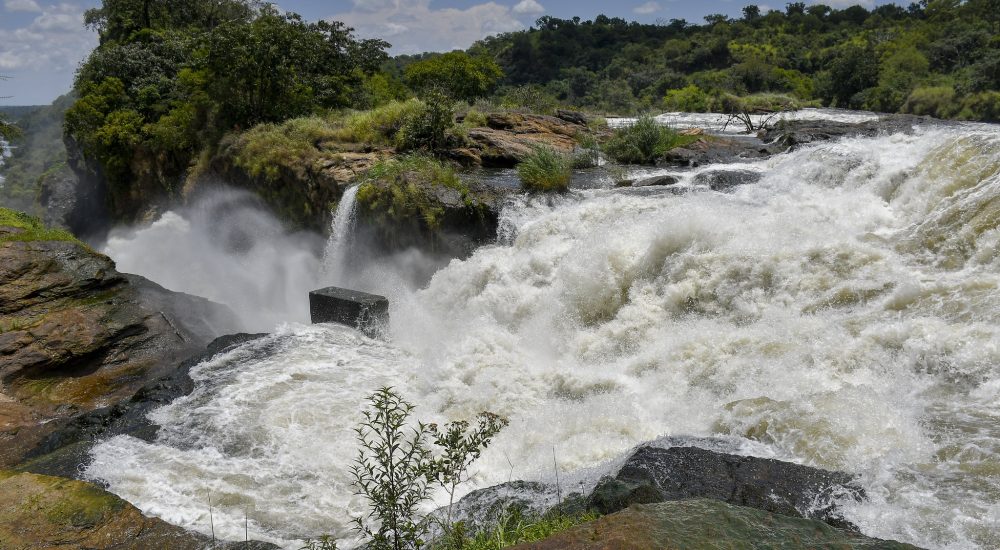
(55, 40)
(412, 26)
(528, 7)
(21, 5)
(647, 8)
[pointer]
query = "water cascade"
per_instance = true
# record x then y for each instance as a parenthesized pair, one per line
(341, 229)
(843, 312)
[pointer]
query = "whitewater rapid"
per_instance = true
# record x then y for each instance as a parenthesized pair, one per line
(843, 312)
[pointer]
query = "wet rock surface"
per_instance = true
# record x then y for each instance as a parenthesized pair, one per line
(653, 474)
(412, 211)
(77, 335)
(794, 133)
(704, 523)
(724, 180)
(718, 150)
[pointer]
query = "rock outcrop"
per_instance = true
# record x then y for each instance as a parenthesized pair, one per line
(43, 512)
(76, 335)
(654, 474)
(704, 523)
(509, 137)
(413, 210)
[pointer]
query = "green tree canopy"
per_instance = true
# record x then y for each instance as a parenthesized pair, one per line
(459, 74)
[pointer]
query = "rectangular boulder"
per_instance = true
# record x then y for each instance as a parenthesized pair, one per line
(368, 313)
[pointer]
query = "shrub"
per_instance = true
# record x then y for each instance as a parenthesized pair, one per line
(381, 125)
(389, 473)
(643, 141)
(984, 106)
(545, 169)
(427, 128)
(587, 153)
(689, 99)
(513, 528)
(266, 148)
(936, 101)
(395, 466)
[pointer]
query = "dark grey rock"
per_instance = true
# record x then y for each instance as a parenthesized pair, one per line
(576, 117)
(724, 180)
(656, 180)
(718, 150)
(654, 474)
(788, 134)
(368, 313)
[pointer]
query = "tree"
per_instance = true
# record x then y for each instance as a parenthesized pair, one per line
(457, 73)
(7, 129)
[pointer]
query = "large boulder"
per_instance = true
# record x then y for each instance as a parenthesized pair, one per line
(654, 474)
(705, 523)
(509, 137)
(717, 150)
(77, 335)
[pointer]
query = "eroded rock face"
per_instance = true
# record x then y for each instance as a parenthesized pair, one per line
(654, 474)
(718, 150)
(509, 137)
(412, 211)
(704, 523)
(794, 133)
(76, 335)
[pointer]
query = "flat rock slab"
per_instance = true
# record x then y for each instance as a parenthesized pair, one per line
(654, 474)
(368, 313)
(705, 523)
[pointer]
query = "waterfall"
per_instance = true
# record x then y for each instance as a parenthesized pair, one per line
(843, 312)
(341, 229)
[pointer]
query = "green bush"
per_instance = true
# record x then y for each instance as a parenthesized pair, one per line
(379, 126)
(397, 188)
(689, 99)
(545, 169)
(427, 128)
(395, 466)
(513, 528)
(267, 148)
(984, 106)
(938, 101)
(643, 141)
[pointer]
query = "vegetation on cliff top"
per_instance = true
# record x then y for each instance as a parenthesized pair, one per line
(28, 228)
(545, 170)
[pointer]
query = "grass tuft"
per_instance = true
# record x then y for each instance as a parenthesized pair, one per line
(31, 228)
(644, 141)
(545, 170)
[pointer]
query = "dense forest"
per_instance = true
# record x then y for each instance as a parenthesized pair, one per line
(170, 79)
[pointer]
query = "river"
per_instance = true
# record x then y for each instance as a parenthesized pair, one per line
(842, 312)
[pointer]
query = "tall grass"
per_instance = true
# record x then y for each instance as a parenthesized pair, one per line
(643, 142)
(545, 170)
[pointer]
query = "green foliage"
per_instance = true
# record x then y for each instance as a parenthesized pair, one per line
(38, 155)
(398, 188)
(381, 125)
(170, 79)
(325, 542)
(936, 101)
(427, 128)
(691, 99)
(852, 57)
(29, 228)
(545, 170)
(266, 149)
(513, 528)
(460, 447)
(535, 99)
(389, 473)
(643, 141)
(395, 466)
(457, 74)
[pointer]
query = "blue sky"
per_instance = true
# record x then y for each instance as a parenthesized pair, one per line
(43, 41)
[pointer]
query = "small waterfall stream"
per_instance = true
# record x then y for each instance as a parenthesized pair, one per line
(339, 245)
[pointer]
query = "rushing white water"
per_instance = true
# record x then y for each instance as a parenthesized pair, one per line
(842, 312)
(717, 122)
(341, 230)
(226, 248)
